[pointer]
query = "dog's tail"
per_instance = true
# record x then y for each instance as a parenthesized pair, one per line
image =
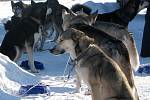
(77, 7)
(134, 56)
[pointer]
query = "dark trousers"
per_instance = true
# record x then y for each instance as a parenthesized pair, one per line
(145, 50)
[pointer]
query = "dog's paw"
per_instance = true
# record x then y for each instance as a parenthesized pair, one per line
(88, 92)
(34, 71)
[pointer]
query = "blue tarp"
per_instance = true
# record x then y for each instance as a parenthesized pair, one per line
(27, 90)
(145, 68)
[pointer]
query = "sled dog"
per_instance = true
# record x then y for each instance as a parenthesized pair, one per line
(122, 17)
(101, 73)
(23, 34)
(20, 10)
(113, 47)
(119, 32)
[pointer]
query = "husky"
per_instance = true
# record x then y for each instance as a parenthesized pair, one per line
(113, 47)
(107, 22)
(20, 10)
(119, 32)
(121, 16)
(54, 14)
(22, 35)
(101, 73)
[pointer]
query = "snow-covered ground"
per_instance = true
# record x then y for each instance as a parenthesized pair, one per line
(12, 76)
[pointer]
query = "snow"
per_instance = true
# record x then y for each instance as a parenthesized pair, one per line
(12, 76)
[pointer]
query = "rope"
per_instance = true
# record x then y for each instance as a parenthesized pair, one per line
(73, 65)
(65, 81)
(66, 67)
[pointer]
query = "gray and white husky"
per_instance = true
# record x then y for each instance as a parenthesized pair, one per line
(111, 46)
(121, 33)
(101, 73)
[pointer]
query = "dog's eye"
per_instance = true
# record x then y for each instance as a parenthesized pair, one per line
(61, 40)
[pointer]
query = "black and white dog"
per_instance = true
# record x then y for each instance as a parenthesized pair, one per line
(22, 35)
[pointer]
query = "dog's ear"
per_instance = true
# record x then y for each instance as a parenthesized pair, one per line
(96, 12)
(92, 18)
(32, 2)
(64, 13)
(72, 13)
(76, 35)
(80, 12)
(90, 40)
(21, 1)
(85, 41)
(12, 3)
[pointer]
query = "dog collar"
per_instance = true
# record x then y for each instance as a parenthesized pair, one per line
(82, 54)
(36, 20)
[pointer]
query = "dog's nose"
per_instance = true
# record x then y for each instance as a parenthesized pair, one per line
(49, 11)
(52, 50)
(62, 51)
(57, 51)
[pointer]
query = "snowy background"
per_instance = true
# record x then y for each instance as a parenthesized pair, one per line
(12, 76)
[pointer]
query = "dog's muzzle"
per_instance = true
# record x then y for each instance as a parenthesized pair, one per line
(55, 50)
(48, 15)
(49, 11)
(18, 12)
